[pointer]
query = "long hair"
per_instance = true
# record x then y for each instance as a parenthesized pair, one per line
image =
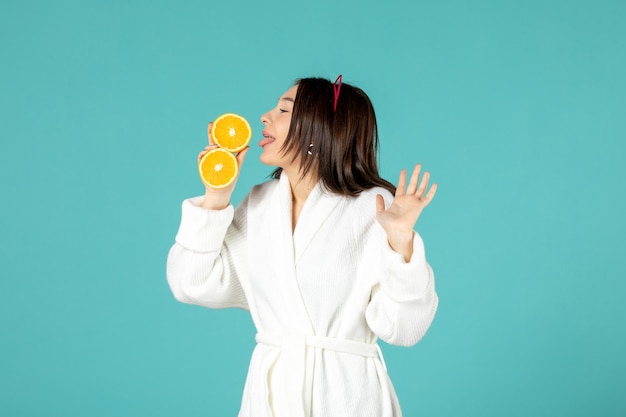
(344, 142)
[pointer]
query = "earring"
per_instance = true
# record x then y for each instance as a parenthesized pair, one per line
(309, 151)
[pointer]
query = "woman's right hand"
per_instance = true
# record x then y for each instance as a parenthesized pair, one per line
(219, 198)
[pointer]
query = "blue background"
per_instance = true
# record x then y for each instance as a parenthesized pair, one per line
(517, 108)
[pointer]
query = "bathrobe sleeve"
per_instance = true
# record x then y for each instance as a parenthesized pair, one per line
(206, 263)
(403, 300)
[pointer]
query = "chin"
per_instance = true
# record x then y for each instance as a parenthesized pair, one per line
(267, 160)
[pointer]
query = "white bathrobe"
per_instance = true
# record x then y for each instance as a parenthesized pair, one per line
(319, 297)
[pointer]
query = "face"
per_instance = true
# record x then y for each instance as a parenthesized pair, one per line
(277, 122)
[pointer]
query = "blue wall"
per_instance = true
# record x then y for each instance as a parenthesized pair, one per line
(517, 108)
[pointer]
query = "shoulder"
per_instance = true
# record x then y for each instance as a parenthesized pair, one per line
(367, 198)
(261, 192)
(258, 197)
(363, 208)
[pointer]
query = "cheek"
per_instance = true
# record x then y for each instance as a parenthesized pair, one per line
(286, 129)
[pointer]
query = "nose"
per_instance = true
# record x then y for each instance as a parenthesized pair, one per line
(265, 118)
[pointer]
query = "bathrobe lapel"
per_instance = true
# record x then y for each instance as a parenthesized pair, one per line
(319, 205)
(284, 260)
(292, 394)
(291, 246)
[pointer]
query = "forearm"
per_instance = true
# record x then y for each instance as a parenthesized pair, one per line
(204, 279)
(404, 301)
(207, 259)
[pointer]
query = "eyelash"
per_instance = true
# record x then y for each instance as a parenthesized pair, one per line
(282, 110)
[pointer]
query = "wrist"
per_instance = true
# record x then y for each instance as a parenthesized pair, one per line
(402, 243)
(215, 201)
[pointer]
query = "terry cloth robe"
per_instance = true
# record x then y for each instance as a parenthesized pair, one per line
(319, 297)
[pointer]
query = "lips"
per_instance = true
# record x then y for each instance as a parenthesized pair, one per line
(267, 139)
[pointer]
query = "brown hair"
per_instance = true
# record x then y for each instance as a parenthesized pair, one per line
(345, 141)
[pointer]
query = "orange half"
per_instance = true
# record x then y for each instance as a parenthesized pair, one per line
(231, 132)
(218, 168)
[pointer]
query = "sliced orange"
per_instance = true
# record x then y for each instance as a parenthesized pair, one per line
(231, 132)
(218, 168)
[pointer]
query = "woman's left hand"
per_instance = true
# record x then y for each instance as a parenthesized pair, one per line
(399, 219)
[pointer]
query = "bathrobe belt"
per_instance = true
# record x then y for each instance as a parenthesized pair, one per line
(297, 397)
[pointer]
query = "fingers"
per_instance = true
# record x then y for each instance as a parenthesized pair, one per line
(431, 194)
(241, 155)
(423, 184)
(209, 134)
(401, 184)
(211, 144)
(414, 178)
(413, 188)
(380, 203)
(205, 150)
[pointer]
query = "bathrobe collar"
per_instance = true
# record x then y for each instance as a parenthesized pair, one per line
(318, 206)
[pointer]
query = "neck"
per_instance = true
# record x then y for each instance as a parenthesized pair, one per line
(301, 187)
(300, 190)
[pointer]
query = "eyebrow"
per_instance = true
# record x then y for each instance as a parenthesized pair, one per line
(287, 99)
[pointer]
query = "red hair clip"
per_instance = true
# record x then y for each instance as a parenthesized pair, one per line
(336, 88)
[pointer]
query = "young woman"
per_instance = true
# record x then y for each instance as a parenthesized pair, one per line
(324, 256)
